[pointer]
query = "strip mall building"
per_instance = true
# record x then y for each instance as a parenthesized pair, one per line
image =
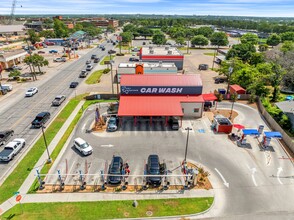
(162, 96)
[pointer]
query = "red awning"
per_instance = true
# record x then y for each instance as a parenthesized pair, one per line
(154, 105)
(238, 126)
(209, 97)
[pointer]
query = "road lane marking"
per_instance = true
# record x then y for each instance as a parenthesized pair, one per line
(253, 170)
(224, 180)
(107, 145)
(280, 169)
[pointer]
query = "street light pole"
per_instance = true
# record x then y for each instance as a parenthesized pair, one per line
(49, 159)
(187, 141)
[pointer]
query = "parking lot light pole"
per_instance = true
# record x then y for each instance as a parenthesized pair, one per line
(187, 141)
(49, 159)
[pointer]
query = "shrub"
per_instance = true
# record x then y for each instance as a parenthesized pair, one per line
(107, 70)
(285, 122)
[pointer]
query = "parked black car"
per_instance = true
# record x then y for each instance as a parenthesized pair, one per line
(153, 168)
(203, 67)
(40, 119)
(219, 80)
(73, 84)
(174, 123)
(5, 135)
(115, 168)
(133, 59)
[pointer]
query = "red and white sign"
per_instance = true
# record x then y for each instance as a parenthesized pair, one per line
(18, 198)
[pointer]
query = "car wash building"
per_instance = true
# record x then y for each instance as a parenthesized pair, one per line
(145, 68)
(163, 54)
(162, 96)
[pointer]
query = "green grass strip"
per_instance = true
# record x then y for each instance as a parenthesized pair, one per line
(22, 170)
(63, 140)
(107, 58)
(94, 77)
(109, 209)
(209, 54)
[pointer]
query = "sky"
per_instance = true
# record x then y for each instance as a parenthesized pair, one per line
(259, 8)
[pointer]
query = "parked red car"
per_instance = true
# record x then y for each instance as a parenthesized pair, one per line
(49, 43)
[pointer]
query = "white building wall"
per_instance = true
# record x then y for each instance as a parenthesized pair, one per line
(192, 109)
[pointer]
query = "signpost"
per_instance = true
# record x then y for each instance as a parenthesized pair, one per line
(18, 199)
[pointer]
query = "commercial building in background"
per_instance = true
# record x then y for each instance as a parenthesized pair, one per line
(161, 96)
(163, 54)
(145, 68)
(9, 30)
(9, 59)
(103, 22)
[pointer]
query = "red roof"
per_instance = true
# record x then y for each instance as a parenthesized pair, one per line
(161, 80)
(237, 88)
(154, 105)
(209, 97)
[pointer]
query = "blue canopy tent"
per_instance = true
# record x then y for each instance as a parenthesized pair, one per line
(273, 134)
(250, 131)
(268, 135)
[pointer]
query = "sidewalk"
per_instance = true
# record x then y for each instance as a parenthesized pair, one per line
(31, 177)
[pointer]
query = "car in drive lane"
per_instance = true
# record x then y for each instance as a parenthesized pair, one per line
(58, 100)
(89, 67)
(115, 168)
(31, 91)
(40, 119)
(12, 149)
(73, 84)
(83, 147)
(5, 135)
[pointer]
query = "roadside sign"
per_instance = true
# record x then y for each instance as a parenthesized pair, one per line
(15, 193)
(18, 198)
(107, 62)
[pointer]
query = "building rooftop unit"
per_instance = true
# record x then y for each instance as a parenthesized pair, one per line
(161, 51)
(161, 80)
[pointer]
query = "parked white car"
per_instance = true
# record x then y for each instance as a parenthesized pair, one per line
(7, 87)
(31, 91)
(82, 146)
(60, 59)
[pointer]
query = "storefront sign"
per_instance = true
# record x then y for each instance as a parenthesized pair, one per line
(160, 90)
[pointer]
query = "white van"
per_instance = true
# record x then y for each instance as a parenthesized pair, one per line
(83, 146)
(7, 87)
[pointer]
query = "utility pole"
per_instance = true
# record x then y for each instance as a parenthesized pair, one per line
(49, 159)
(187, 141)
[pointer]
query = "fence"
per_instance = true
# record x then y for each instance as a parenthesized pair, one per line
(289, 141)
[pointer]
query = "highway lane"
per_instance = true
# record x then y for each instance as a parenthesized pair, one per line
(18, 116)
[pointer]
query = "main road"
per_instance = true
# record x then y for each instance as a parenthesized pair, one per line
(19, 112)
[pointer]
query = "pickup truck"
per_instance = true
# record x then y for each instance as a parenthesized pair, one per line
(5, 135)
(11, 149)
(40, 119)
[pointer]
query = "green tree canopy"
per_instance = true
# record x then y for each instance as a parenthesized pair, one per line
(126, 37)
(199, 40)
(92, 31)
(249, 38)
(180, 40)
(243, 51)
(205, 31)
(47, 34)
(273, 40)
(219, 39)
(287, 46)
(33, 37)
(60, 29)
(287, 36)
(159, 39)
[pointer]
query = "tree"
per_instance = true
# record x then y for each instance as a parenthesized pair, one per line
(287, 36)
(39, 61)
(262, 47)
(219, 39)
(47, 34)
(243, 51)
(273, 40)
(249, 38)
(287, 46)
(33, 37)
(78, 27)
(256, 58)
(159, 39)
(60, 29)
(110, 29)
(199, 40)
(205, 31)
(126, 37)
(92, 31)
(29, 61)
(180, 40)
(15, 74)
(276, 78)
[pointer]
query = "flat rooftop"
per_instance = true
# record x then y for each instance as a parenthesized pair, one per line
(160, 51)
(161, 80)
(148, 65)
